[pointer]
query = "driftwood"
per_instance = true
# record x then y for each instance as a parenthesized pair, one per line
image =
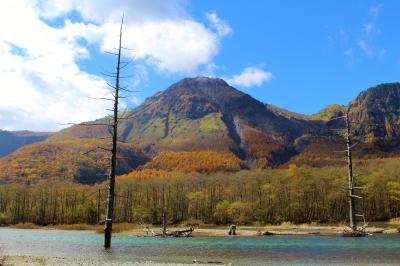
(176, 233)
(195, 261)
(359, 232)
(268, 233)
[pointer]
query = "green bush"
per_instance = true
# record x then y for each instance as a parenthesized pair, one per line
(3, 219)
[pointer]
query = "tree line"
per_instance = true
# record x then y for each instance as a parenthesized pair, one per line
(296, 194)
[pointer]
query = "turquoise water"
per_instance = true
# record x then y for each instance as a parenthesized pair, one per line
(268, 250)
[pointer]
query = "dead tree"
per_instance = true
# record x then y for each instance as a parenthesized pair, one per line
(354, 231)
(113, 163)
(352, 214)
(164, 224)
(98, 206)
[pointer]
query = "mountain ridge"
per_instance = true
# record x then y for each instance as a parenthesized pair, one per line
(12, 140)
(207, 114)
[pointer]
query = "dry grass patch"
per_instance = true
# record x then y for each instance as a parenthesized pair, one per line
(25, 226)
(118, 227)
(78, 227)
(394, 221)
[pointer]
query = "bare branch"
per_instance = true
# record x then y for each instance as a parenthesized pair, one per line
(112, 53)
(82, 124)
(354, 196)
(107, 99)
(128, 90)
(131, 49)
(97, 148)
(112, 86)
(108, 75)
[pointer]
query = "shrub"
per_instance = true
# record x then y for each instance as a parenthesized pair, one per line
(3, 219)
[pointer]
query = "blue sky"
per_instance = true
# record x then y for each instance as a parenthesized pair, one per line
(312, 48)
(298, 55)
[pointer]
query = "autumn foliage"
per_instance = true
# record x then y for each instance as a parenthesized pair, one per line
(207, 161)
(298, 194)
(66, 160)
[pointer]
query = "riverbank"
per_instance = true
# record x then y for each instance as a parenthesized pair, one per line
(127, 229)
(251, 231)
(40, 261)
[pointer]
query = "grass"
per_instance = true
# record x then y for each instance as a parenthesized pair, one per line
(77, 227)
(118, 227)
(24, 226)
(394, 221)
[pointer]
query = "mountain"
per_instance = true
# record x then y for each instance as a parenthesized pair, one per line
(203, 124)
(67, 160)
(12, 140)
(375, 118)
(377, 112)
(206, 113)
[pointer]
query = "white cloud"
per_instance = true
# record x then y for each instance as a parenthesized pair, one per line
(160, 32)
(250, 77)
(140, 75)
(221, 26)
(170, 46)
(349, 52)
(375, 10)
(105, 10)
(42, 84)
(368, 28)
(365, 47)
(136, 100)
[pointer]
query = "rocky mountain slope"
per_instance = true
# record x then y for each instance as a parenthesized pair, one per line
(206, 114)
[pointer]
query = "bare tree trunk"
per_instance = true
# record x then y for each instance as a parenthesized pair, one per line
(352, 214)
(111, 193)
(164, 221)
(98, 207)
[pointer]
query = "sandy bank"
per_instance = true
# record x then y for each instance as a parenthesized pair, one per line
(250, 231)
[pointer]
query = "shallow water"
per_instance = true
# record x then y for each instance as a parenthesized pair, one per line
(268, 250)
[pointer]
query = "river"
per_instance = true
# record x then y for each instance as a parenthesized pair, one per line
(86, 247)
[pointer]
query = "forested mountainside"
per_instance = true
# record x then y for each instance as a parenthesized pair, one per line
(67, 160)
(206, 113)
(204, 125)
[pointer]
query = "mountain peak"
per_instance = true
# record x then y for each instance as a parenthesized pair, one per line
(202, 81)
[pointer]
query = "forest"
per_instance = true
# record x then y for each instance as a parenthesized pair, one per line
(297, 194)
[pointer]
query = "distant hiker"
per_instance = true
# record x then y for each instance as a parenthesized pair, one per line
(146, 230)
(232, 230)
